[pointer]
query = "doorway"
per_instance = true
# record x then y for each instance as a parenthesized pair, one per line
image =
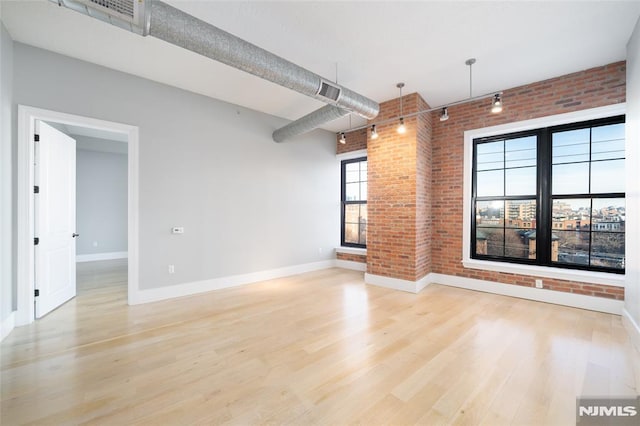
(28, 118)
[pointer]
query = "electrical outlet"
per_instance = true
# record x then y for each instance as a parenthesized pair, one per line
(177, 230)
(539, 284)
(172, 269)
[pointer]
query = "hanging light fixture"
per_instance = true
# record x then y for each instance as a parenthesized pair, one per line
(444, 115)
(401, 127)
(496, 104)
(374, 132)
(343, 138)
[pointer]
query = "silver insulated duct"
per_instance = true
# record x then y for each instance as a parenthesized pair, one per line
(153, 17)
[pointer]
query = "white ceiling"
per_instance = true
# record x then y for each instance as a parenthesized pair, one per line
(374, 44)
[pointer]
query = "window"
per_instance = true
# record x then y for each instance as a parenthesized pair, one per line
(354, 202)
(553, 196)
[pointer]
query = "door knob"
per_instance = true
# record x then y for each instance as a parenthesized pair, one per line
(75, 235)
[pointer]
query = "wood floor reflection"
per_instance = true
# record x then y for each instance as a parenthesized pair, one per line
(317, 348)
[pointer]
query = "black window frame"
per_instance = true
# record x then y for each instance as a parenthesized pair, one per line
(544, 197)
(344, 202)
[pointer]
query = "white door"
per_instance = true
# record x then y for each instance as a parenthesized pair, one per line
(55, 219)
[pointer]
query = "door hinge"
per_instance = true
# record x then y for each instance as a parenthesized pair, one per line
(36, 292)
(36, 138)
(36, 241)
(36, 189)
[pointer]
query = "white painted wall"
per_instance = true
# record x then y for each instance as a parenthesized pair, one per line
(247, 203)
(101, 200)
(7, 289)
(632, 267)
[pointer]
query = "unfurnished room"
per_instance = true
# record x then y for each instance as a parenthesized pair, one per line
(319, 212)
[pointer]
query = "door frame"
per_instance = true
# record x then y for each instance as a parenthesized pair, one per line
(27, 117)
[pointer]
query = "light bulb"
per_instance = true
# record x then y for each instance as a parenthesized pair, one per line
(401, 127)
(374, 132)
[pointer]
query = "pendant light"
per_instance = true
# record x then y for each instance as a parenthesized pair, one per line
(401, 127)
(496, 104)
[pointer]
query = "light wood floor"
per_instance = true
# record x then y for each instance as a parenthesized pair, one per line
(317, 348)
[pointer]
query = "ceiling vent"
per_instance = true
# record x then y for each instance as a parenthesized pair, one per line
(329, 91)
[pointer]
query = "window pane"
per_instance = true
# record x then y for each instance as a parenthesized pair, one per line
(490, 213)
(352, 176)
(521, 181)
(570, 179)
(521, 214)
(607, 249)
(490, 241)
(571, 215)
(520, 243)
(607, 150)
(570, 247)
(352, 192)
(521, 152)
(352, 172)
(363, 190)
(490, 183)
(351, 234)
(570, 146)
(607, 142)
(352, 213)
(608, 215)
(490, 155)
(607, 176)
(363, 171)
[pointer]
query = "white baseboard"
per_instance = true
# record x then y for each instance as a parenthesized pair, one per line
(396, 283)
(187, 289)
(101, 256)
(591, 303)
(7, 325)
(350, 264)
(632, 327)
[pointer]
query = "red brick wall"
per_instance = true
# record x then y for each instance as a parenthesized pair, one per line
(360, 258)
(392, 231)
(424, 228)
(586, 89)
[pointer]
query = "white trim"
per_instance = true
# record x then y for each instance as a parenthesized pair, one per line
(350, 264)
(396, 283)
(603, 278)
(352, 250)
(553, 120)
(351, 155)
(101, 256)
(187, 289)
(591, 303)
(632, 327)
(7, 325)
(27, 117)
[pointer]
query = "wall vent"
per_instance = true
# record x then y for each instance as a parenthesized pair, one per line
(329, 91)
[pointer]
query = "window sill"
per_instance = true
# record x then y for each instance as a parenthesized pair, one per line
(352, 250)
(614, 280)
